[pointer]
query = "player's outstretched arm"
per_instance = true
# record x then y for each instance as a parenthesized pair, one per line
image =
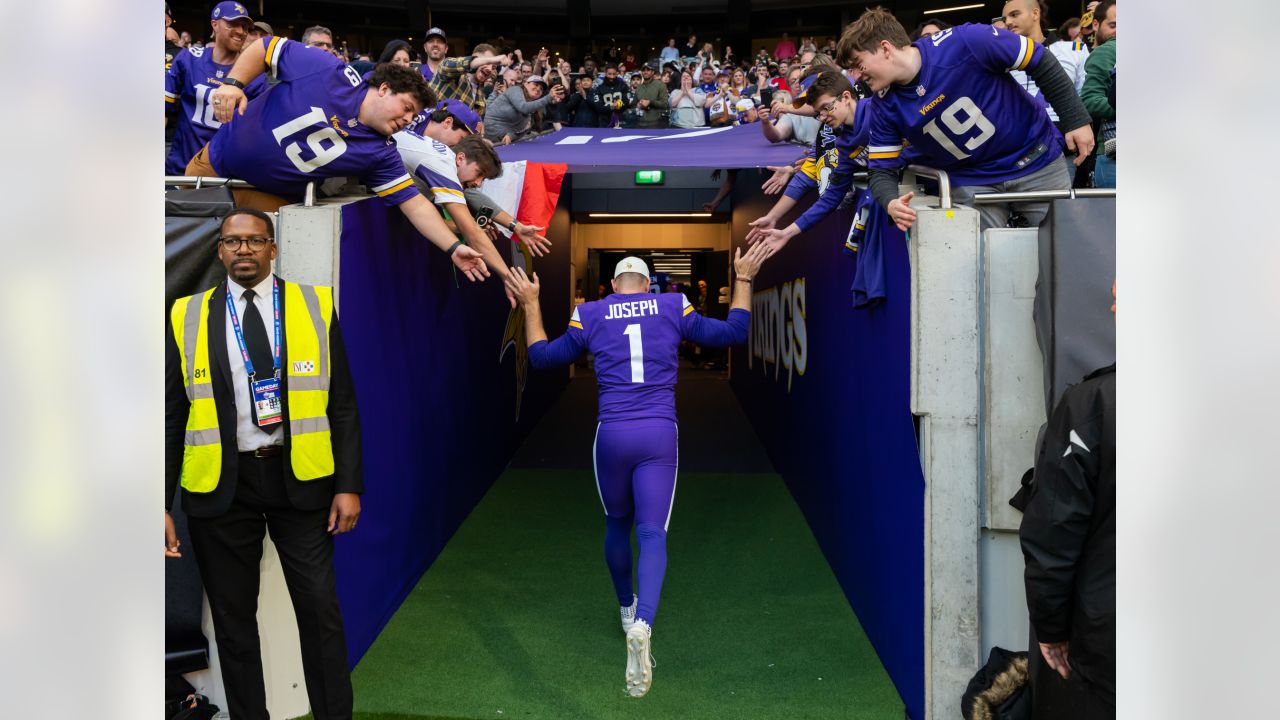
(526, 292)
(426, 220)
(226, 98)
(542, 354)
(745, 268)
(710, 332)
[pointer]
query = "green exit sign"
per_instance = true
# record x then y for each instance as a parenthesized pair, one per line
(649, 177)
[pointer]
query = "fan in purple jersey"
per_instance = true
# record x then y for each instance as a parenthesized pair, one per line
(635, 337)
(435, 48)
(191, 78)
(951, 98)
(323, 120)
(831, 94)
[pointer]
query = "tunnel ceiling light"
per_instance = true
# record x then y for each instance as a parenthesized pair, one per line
(649, 215)
(975, 6)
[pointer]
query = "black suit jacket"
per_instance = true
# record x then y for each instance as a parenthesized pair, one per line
(344, 421)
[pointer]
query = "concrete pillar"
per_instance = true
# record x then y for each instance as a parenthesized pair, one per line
(943, 246)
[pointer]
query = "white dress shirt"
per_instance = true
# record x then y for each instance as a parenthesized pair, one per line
(248, 436)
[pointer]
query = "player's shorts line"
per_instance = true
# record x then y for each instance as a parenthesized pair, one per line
(675, 478)
(595, 468)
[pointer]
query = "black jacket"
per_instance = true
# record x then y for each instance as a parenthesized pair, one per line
(1068, 531)
(581, 113)
(604, 95)
(344, 421)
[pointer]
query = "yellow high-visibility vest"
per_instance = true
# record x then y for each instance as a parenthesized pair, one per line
(306, 365)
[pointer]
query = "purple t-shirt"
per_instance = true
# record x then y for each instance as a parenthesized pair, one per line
(635, 338)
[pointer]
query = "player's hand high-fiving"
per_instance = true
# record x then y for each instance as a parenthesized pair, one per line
(524, 289)
(746, 266)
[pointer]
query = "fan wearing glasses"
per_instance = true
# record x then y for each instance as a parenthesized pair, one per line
(832, 95)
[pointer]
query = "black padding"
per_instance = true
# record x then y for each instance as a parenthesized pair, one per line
(1074, 325)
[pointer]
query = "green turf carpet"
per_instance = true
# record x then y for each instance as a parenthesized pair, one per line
(517, 618)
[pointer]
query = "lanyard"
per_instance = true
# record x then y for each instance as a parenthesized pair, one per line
(235, 323)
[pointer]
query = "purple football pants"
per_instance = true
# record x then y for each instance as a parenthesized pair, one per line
(635, 464)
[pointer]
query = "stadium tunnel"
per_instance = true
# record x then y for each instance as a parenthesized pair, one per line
(898, 431)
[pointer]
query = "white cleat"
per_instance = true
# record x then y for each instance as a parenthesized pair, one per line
(639, 659)
(629, 613)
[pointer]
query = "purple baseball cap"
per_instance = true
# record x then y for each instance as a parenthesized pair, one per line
(802, 96)
(462, 112)
(229, 11)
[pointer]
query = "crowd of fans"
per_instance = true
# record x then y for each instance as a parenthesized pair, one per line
(689, 84)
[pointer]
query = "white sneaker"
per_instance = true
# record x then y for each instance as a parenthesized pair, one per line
(639, 659)
(629, 613)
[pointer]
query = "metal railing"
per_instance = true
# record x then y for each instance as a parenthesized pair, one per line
(1072, 194)
(308, 200)
(944, 191)
(944, 182)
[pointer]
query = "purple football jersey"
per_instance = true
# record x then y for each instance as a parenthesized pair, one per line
(964, 113)
(635, 338)
(188, 85)
(306, 128)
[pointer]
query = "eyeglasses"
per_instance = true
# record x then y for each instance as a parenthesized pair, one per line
(232, 244)
(321, 45)
(826, 108)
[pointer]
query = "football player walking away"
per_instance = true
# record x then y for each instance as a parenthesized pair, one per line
(635, 337)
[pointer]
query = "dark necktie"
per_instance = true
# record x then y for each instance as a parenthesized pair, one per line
(259, 347)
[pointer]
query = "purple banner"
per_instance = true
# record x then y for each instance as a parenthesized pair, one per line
(606, 149)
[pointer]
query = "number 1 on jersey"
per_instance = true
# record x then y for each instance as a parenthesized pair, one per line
(637, 352)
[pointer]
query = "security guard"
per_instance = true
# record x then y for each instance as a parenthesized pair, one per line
(262, 433)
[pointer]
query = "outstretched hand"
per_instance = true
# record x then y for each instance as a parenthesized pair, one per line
(525, 290)
(758, 228)
(774, 239)
(471, 263)
(532, 237)
(746, 266)
(777, 182)
(901, 213)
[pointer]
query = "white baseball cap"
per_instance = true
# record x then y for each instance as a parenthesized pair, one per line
(633, 264)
